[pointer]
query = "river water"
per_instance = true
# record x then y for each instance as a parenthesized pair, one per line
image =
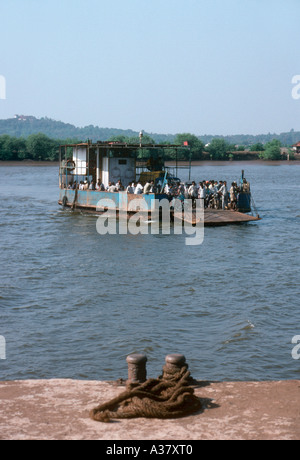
(74, 303)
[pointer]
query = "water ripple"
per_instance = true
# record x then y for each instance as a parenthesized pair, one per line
(74, 304)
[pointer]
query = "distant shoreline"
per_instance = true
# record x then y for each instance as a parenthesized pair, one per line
(167, 163)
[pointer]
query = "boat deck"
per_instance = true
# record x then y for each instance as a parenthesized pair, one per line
(215, 217)
(212, 217)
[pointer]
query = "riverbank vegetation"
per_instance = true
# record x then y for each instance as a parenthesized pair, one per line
(40, 147)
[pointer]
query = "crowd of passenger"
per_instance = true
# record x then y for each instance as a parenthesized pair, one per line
(213, 194)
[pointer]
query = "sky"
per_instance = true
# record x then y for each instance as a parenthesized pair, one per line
(219, 67)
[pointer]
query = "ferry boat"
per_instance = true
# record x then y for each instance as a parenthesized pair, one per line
(84, 165)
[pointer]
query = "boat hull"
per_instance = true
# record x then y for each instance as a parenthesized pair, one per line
(98, 202)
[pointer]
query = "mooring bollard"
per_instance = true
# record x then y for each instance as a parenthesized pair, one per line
(174, 363)
(136, 367)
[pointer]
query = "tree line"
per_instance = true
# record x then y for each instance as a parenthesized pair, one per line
(23, 126)
(40, 147)
(36, 147)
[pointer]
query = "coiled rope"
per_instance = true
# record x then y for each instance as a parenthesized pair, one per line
(169, 396)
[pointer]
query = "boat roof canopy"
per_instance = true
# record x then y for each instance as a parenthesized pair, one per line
(124, 145)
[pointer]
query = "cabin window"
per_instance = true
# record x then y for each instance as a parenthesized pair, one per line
(122, 162)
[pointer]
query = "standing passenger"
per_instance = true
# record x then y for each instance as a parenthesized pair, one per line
(202, 194)
(152, 186)
(119, 186)
(233, 198)
(130, 188)
(147, 188)
(224, 193)
(100, 186)
(193, 192)
(138, 189)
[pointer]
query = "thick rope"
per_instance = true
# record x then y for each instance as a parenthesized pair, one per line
(169, 396)
(75, 199)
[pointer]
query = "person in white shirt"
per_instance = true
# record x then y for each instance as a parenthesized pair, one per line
(201, 190)
(86, 184)
(119, 186)
(202, 193)
(112, 187)
(138, 189)
(152, 186)
(213, 187)
(167, 189)
(224, 193)
(147, 188)
(193, 192)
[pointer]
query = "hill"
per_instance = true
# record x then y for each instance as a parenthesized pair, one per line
(23, 126)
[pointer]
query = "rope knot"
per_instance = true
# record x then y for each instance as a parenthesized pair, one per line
(168, 396)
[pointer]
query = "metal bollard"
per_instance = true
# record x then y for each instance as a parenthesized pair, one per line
(136, 367)
(174, 363)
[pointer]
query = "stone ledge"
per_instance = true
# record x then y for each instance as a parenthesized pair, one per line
(58, 409)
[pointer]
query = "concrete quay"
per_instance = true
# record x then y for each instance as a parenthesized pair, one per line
(58, 409)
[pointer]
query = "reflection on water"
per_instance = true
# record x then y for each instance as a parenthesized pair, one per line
(74, 303)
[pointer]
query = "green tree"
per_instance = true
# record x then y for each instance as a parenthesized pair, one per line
(219, 149)
(258, 147)
(19, 146)
(5, 151)
(195, 144)
(41, 147)
(119, 138)
(142, 154)
(146, 139)
(12, 148)
(272, 150)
